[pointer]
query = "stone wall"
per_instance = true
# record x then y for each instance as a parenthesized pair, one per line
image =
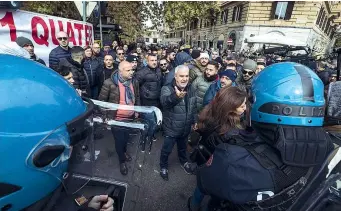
(304, 14)
(212, 33)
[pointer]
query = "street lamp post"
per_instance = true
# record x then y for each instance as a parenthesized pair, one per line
(84, 11)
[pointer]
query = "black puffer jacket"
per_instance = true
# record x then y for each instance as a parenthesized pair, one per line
(178, 113)
(79, 75)
(94, 69)
(150, 81)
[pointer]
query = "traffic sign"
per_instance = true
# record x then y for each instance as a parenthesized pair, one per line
(90, 6)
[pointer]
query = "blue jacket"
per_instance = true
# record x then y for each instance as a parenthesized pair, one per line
(212, 91)
(56, 55)
(94, 69)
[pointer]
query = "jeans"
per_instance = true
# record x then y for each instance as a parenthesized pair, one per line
(150, 119)
(168, 144)
(121, 136)
(197, 198)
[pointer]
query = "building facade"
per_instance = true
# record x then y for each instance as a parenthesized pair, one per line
(153, 37)
(311, 22)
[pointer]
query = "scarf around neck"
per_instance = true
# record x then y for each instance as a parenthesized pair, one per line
(130, 98)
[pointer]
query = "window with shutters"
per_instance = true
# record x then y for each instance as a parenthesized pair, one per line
(237, 13)
(222, 17)
(282, 10)
(226, 12)
(319, 17)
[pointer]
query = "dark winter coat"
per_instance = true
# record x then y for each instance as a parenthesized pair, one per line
(36, 59)
(79, 75)
(107, 72)
(94, 69)
(56, 55)
(150, 81)
(178, 113)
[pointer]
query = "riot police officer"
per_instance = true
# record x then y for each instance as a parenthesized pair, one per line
(267, 169)
(46, 134)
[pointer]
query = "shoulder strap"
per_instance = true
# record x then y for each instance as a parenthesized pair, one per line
(265, 154)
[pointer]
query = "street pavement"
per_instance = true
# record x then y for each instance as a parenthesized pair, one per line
(148, 190)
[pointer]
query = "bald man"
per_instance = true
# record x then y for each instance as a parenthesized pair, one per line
(121, 89)
(60, 52)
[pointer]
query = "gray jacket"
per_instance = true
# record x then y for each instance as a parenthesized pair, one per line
(178, 113)
(200, 86)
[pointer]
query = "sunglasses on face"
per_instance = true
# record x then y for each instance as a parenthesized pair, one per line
(163, 64)
(28, 45)
(62, 38)
(248, 72)
(120, 54)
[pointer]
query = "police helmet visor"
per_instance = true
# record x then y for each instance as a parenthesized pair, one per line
(69, 147)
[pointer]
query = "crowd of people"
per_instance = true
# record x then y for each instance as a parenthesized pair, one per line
(206, 94)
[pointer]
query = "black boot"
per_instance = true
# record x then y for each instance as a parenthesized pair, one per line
(123, 169)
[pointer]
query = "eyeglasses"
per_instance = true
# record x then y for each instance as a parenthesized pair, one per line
(62, 38)
(248, 72)
(165, 64)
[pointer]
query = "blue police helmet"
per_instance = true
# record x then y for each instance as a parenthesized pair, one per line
(288, 94)
(36, 108)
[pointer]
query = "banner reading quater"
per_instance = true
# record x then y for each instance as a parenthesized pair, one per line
(42, 30)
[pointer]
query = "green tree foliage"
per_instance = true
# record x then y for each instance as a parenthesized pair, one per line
(153, 10)
(65, 9)
(127, 15)
(178, 13)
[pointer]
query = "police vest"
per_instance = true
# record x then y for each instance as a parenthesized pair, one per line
(289, 181)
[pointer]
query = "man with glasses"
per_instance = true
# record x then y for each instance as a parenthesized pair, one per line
(120, 57)
(249, 70)
(60, 52)
(29, 47)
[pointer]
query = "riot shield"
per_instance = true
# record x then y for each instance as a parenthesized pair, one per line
(108, 116)
(107, 179)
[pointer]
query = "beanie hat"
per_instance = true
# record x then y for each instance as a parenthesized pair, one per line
(219, 60)
(131, 58)
(232, 75)
(195, 54)
(204, 55)
(250, 65)
(106, 43)
(22, 41)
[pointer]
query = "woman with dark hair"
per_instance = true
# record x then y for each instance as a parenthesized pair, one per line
(220, 118)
